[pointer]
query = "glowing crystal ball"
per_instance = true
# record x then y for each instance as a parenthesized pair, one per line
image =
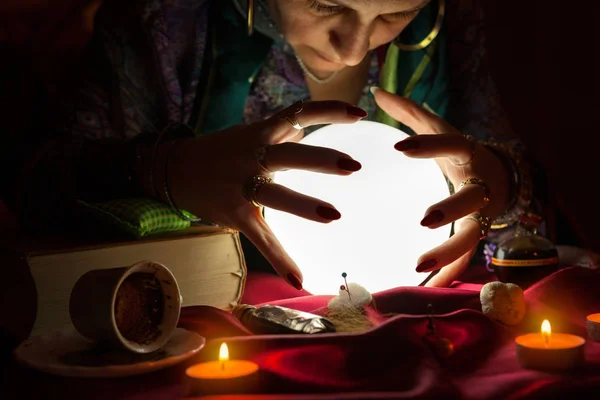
(379, 239)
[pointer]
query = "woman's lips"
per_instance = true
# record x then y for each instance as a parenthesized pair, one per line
(325, 57)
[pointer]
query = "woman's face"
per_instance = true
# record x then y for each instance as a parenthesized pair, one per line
(329, 35)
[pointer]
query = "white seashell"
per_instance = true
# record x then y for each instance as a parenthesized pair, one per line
(503, 302)
(359, 298)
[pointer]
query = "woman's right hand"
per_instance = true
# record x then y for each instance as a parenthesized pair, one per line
(207, 175)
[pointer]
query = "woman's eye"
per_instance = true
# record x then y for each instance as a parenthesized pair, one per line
(400, 16)
(325, 9)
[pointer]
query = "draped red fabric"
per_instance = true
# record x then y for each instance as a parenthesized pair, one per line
(390, 361)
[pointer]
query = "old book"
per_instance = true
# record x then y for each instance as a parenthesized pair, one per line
(207, 262)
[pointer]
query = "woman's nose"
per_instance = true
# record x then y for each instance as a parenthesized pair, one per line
(351, 41)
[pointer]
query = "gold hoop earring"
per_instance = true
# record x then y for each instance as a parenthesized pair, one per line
(250, 17)
(432, 35)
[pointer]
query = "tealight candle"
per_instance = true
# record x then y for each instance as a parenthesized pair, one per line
(593, 326)
(548, 350)
(222, 376)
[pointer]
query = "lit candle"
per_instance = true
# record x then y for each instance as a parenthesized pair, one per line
(546, 331)
(222, 376)
(593, 326)
(548, 350)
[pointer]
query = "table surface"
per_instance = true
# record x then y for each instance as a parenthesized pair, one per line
(389, 361)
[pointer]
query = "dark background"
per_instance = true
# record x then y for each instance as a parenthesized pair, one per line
(544, 57)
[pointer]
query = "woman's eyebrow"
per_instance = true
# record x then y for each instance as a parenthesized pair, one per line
(420, 6)
(347, 3)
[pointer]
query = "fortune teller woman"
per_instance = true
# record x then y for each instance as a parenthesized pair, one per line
(194, 103)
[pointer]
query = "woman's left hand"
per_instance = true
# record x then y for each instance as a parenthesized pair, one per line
(485, 192)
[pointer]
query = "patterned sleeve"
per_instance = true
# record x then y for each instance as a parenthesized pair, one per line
(78, 152)
(70, 167)
(104, 131)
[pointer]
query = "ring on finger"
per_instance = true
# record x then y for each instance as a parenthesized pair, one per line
(250, 189)
(290, 116)
(484, 222)
(471, 141)
(260, 155)
(480, 182)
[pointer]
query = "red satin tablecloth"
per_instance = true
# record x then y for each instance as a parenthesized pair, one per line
(389, 361)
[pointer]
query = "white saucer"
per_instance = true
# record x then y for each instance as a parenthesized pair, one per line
(67, 353)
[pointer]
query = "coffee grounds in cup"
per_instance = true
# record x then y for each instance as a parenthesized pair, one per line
(139, 307)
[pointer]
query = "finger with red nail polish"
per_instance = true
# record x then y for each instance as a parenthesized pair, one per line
(356, 112)
(348, 164)
(427, 266)
(328, 213)
(294, 281)
(433, 217)
(407, 145)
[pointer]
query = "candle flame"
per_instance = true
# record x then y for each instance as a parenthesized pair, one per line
(546, 328)
(223, 352)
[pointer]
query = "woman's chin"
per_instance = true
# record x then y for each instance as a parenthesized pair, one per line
(322, 68)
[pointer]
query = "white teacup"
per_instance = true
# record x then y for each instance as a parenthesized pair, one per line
(93, 299)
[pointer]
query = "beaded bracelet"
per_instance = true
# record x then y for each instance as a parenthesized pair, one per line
(511, 155)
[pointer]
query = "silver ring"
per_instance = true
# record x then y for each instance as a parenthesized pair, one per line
(471, 140)
(484, 224)
(480, 182)
(290, 117)
(251, 188)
